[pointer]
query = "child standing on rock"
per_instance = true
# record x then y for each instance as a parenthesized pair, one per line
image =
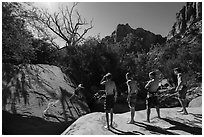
(132, 95)
(111, 96)
(152, 100)
(79, 91)
(181, 89)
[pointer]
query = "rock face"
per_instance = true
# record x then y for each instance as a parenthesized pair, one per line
(144, 37)
(121, 32)
(42, 91)
(171, 123)
(197, 102)
(187, 16)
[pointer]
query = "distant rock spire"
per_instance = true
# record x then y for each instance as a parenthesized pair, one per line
(189, 14)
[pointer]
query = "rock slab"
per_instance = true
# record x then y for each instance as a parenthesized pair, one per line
(171, 123)
(42, 91)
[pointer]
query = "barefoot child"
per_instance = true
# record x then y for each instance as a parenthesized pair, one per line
(181, 89)
(132, 95)
(152, 100)
(79, 91)
(111, 96)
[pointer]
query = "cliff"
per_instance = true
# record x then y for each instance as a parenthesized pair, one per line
(190, 14)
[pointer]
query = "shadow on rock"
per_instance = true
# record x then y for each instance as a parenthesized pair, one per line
(197, 118)
(196, 115)
(184, 127)
(120, 132)
(16, 124)
(154, 129)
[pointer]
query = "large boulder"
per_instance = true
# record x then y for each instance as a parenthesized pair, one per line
(41, 91)
(197, 102)
(171, 123)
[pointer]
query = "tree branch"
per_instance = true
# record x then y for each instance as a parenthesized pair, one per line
(66, 23)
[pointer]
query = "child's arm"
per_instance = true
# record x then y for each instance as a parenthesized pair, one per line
(103, 80)
(129, 89)
(180, 81)
(116, 92)
(148, 85)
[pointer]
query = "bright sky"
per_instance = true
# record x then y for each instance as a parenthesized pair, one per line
(157, 17)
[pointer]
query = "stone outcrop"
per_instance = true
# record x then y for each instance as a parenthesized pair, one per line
(170, 123)
(40, 91)
(143, 37)
(121, 32)
(197, 102)
(188, 15)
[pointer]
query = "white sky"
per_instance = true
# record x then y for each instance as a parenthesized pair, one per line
(157, 17)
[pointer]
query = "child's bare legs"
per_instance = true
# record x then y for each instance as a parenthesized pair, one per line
(183, 104)
(132, 114)
(111, 116)
(148, 113)
(181, 110)
(107, 120)
(158, 111)
(132, 111)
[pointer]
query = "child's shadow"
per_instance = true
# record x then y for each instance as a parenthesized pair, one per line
(154, 129)
(184, 127)
(120, 132)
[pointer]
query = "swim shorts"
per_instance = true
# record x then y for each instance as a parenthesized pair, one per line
(152, 101)
(182, 92)
(109, 102)
(133, 100)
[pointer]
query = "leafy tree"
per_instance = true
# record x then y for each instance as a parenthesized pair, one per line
(187, 56)
(45, 52)
(16, 39)
(89, 61)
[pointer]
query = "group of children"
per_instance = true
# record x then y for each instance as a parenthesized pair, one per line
(152, 96)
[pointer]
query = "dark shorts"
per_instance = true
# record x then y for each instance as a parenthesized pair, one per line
(109, 102)
(182, 93)
(152, 101)
(133, 100)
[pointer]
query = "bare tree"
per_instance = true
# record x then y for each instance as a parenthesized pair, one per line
(66, 23)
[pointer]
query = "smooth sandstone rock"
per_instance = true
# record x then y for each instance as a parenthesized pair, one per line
(171, 123)
(42, 91)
